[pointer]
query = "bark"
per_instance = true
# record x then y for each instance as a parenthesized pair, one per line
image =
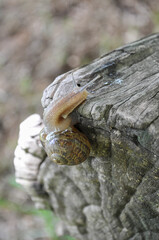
(114, 194)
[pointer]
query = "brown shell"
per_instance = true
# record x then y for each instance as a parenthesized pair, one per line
(68, 147)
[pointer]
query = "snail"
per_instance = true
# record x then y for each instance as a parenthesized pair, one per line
(63, 143)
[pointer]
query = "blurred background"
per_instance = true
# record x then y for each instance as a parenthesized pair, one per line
(38, 41)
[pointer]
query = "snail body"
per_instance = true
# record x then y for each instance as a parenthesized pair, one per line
(63, 143)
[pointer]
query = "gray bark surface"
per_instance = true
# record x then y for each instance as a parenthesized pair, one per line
(114, 194)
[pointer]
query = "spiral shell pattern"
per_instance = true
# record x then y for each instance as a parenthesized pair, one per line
(68, 147)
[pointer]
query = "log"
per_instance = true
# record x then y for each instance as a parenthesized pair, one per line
(114, 194)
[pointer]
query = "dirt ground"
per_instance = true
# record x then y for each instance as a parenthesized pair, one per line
(38, 41)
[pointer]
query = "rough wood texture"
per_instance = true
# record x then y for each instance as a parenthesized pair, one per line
(114, 194)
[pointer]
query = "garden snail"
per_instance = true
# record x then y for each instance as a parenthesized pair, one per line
(63, 143)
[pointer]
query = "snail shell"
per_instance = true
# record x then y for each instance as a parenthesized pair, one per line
(68, 147)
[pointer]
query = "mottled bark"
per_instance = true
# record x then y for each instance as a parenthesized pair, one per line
(114, 194)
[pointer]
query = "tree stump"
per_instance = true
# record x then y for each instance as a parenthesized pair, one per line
(114, 194)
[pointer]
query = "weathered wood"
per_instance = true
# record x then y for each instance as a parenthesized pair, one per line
(114, 194)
